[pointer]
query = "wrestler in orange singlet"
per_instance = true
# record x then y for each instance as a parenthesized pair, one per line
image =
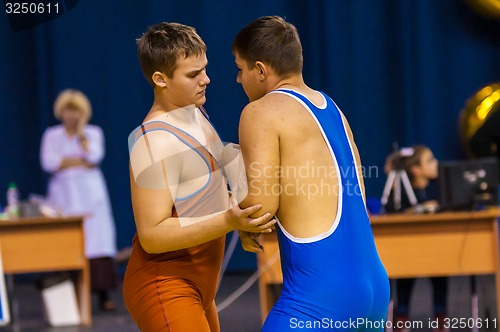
(180, 196)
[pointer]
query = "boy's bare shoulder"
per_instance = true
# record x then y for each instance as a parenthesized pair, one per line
(271, 108)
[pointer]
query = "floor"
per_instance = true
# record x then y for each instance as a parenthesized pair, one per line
(243, 315)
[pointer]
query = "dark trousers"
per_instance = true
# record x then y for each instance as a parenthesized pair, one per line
(103, 277)
(439, 294)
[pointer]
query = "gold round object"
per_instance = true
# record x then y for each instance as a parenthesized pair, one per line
(478, 109)
(490, 8)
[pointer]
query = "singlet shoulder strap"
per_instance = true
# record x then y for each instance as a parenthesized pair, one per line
(182, 135)
(204, 112)
(303, 99)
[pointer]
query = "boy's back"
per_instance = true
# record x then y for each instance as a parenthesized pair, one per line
(308, 178)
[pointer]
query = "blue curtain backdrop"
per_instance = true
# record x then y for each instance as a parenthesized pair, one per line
(400, 70)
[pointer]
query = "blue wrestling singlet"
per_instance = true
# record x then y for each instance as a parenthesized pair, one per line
(333, 281)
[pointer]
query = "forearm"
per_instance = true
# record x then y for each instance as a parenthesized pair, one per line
(84, 142)
(179, 233)
(73, 162)
(92, 143)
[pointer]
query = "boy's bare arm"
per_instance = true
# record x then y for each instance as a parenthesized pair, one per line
(259, 142)
(159, 231)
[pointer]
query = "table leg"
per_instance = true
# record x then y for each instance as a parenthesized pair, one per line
(84, 295)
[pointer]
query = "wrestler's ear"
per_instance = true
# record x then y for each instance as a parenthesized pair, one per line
(159, 79)
(261, 70)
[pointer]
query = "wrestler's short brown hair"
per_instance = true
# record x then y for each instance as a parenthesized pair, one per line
(162, 44)
(273, 41)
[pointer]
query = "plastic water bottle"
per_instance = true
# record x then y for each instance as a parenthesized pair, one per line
(12, 201)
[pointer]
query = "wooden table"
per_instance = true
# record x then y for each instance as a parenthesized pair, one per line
(441, 244)
(42, 244)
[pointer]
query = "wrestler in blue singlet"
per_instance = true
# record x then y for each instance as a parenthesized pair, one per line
(333, 281)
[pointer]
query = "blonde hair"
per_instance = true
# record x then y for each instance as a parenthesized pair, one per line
(75, 99)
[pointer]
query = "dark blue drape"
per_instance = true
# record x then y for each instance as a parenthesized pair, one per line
(400, 71)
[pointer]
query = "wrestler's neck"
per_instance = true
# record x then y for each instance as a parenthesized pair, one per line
(296, 83)
(164, 107)
(293, 82)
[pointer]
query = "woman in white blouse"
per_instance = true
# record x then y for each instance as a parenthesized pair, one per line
(71, 152)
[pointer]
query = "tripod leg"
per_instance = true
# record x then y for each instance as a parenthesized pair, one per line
(397, 191)
(388, 187)
(409, 190)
